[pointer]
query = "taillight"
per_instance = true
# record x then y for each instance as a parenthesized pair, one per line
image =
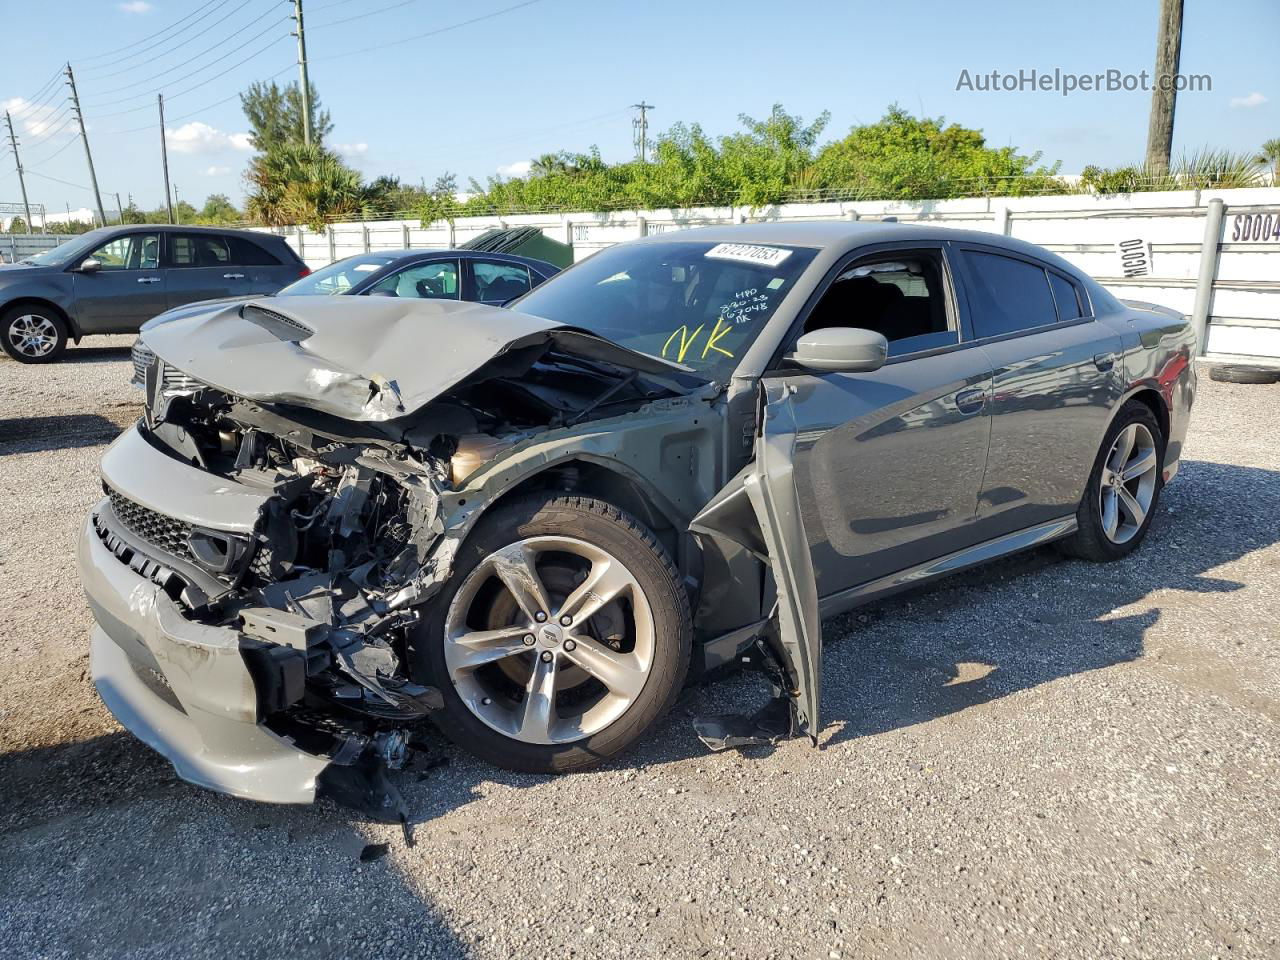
(305, 270)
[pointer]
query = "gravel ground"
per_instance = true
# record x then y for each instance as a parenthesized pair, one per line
(1043, 758)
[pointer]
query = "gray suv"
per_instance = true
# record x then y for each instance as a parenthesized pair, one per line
(114, 279)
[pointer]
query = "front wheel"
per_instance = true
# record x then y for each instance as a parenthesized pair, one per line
(563, 635)
(33, 334)
(1123, 490)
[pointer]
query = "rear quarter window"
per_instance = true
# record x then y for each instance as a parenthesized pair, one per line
(247, 253)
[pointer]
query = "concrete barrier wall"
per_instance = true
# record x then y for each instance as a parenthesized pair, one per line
(1163, 233)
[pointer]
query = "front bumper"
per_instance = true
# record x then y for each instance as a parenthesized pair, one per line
(184, 688)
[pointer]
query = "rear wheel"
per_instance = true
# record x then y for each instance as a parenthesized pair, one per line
(33, 334)
(1123, 489)
(562, 636)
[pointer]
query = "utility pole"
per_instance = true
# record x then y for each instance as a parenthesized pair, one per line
(640, 128)
(302, 69)
(178, 217)
(1168, 51)
(164, 157)
(93, 177)
(119, 209)
(13, 142)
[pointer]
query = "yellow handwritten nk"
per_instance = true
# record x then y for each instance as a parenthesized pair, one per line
(721, 328)
(685, 341)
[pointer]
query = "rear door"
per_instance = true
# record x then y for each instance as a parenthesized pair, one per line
(1056, 382)
(199, 267)
(128, 288)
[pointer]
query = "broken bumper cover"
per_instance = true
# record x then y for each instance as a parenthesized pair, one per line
(183, 688)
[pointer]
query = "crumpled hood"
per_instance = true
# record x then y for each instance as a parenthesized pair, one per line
(362, 358)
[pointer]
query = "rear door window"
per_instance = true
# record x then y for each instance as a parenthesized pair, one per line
(1007, 295)
(499, 282)
(198, 250)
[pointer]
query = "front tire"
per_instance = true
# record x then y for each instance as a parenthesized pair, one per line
(609, 622)
(1123, 490)
(32, 334)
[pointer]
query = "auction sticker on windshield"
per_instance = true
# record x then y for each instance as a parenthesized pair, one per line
(748, 253)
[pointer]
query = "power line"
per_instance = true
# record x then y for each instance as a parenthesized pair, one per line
(65, 183)
(190, 58)
(51, 82)
(111, 53)
(183, 92)
(187, 73)
(48, 157)
(429, 33)
(206, 107)
(363, 14)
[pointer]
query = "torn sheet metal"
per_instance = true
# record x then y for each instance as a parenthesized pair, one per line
(365, 359)
(774, 530)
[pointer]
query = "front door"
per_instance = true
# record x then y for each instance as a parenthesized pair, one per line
(1055, 385)
(127, 288)
(888, 464)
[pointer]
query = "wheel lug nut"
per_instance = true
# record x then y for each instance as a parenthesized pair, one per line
(540, 616)
(570, 646)
(546, 656)
(566, 620)
(487, 701)
(528, 640)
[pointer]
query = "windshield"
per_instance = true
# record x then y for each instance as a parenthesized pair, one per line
(700, 304)
(337, 278)
(68, 251)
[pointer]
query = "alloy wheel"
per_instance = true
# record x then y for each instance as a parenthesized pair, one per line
(1128, 483)
(32, 335)
(549, 640)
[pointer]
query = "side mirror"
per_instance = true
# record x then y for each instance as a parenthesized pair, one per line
(842, 349)
(90, 265)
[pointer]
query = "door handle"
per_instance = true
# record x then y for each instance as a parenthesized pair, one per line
(1104, 361)
(233, 276)
(148, 279)
(970, 401)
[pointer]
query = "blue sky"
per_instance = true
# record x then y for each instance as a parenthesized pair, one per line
(561, 73)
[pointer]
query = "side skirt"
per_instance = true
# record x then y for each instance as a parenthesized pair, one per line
(980, 553)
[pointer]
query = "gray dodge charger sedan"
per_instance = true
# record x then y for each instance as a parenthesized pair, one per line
(341, 516)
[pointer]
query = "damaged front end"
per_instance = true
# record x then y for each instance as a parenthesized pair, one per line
(257, 567)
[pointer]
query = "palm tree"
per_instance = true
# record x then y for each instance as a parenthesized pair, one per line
(1269, 156)
(298, 183)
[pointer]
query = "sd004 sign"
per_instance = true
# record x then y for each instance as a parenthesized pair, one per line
(1135, 257)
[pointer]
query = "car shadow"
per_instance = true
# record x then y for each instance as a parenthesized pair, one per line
(82, 354)
(35, 434)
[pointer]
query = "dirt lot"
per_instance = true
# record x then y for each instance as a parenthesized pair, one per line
(1045, 758)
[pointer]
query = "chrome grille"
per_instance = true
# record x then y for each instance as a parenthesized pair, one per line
(142, 357)
(166, 533)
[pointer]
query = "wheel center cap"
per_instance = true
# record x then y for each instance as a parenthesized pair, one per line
(550, 634)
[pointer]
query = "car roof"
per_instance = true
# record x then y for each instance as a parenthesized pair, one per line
(841, 235)
(424, 252)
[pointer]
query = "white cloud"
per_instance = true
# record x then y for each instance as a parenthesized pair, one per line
(351, 150)
(1254, 99)
(37, 121)
(197, 138)
(216, 171)
(520, 168)
(135, 6)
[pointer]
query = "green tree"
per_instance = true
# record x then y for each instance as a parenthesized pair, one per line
(275, 115)
(440, 202)
(18, 225)
(1269, 156)
(218, 209)
(295, 183)
(910, 158)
